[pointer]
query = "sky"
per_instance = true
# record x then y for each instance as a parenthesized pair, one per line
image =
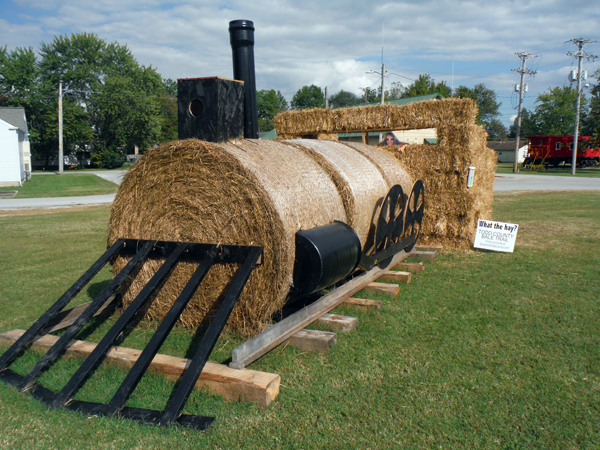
(334, 43)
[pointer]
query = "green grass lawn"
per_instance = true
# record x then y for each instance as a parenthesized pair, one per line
(482, 350)
(559, 171)
(71, 185)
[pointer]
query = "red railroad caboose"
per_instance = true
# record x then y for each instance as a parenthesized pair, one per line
(553, 150)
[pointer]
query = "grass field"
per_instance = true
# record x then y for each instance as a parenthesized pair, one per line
(482, 350)
(558, 171)
(71, 185)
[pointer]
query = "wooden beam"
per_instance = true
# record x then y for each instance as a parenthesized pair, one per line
(313, 340)
(363, 304)
(254, 348)
(429, 248)
(425, 256)
(365, 138)
(410, 267)
(394, 276)
(382, 288)
(239, 385)
(336, 322)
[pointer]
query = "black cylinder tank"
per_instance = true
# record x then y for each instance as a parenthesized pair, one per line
(241, 36)
(324, 255)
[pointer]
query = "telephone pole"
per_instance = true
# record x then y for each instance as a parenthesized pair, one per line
(60, 129)
(579, 54)
(523, 70)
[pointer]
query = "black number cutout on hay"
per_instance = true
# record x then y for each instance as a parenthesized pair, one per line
(398, 224)
(207, 255)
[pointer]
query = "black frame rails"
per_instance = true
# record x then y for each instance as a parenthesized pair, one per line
(247, 257)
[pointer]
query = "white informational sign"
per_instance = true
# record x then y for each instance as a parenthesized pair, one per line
(498, 236)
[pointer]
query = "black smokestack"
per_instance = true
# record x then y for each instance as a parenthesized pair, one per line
(241, 34)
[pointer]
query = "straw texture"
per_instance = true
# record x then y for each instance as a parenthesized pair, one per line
(243, 192)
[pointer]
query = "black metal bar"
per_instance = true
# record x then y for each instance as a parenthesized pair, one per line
(27, 338)
(55, 351)
(98, 354)
(368, 262)
(137, 371)
(241, 37)
(188, 381)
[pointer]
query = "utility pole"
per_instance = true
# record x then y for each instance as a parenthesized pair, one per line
(326, 99)
(60, 129)
(523, 70)
(579, 54)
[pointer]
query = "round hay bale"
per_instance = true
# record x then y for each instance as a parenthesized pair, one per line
(360, 182)
(246, 192)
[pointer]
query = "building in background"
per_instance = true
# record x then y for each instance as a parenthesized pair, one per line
(506, 151)
(15, 153)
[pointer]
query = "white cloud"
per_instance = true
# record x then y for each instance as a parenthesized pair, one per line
(330, 43)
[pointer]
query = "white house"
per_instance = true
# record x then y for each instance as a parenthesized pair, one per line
(506, 150)
(15, 155)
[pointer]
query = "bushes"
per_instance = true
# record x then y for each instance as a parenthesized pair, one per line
(107, 158)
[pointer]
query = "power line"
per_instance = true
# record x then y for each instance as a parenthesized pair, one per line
(579, 54)
(524, 56)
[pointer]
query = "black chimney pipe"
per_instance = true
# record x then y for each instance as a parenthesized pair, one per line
(241, 36)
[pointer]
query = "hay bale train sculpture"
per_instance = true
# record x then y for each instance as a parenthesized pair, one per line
(221, 228)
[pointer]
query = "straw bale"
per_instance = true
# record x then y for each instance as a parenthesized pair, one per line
(231, 194)
(243, 192)
(426, 114)
(451, 209)
(392, 170)
(360, 181)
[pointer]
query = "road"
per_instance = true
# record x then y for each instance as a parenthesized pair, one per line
(520, 182)
(115, 176)
(503, 183)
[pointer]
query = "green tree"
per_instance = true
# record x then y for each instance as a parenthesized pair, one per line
(122, 99)
(269, 103)
(344, 99)
(485, 99)
(371, 95)
(591, 123)
(19, 77)
(555, 111)
(424, 85)
(168, 107)
(529, 126)
(308, 97)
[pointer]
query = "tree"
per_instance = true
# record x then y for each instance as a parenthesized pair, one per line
(308, 97)
(344, 99)
(591, 123)
(529, 126)
(122, 99)
(168, 107)
(424, 85)
(485, 99)
(269, 103)
(371, 95)
(555, 111)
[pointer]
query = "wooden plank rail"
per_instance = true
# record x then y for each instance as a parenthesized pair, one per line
(313, 340)
(239, 385)
(336, 322)
(396, 277)
(425, 256)
(254, 348)
(382, 288)
(363, 304)
(410, 267)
